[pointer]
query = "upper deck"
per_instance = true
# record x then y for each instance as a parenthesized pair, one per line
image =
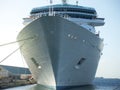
(73, 11)
(83, 16)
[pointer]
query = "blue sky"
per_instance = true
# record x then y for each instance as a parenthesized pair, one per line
(12, 12)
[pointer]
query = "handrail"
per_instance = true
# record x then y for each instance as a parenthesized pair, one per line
(100, 18)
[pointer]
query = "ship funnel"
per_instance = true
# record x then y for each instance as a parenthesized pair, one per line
(64, 1)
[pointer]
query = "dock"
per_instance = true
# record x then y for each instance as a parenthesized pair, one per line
(8, 83)
(11, 76)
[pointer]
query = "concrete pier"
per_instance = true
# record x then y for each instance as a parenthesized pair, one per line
(8, 82)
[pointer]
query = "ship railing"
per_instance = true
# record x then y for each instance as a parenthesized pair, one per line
(100, 18)
(36, 16)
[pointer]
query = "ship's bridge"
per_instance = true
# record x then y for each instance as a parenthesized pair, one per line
(73, 11)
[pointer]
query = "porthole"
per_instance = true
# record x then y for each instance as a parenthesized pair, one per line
(72, 37)
(69, 35)
(75, 37)
(83, 41)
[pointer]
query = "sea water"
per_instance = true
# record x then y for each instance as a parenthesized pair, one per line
(98, 84)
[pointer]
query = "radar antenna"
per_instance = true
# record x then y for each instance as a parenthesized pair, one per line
(64, 1)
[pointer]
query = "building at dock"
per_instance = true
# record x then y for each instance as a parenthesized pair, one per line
(9, 71)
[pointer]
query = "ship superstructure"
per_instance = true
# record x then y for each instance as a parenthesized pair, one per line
(65, 48)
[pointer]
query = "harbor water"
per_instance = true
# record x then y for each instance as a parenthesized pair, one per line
(98, 84)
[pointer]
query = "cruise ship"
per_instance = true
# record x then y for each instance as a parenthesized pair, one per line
(61, 45)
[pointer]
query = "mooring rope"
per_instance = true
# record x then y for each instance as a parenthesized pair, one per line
(14, 50)
(16, 41)
(10, 54)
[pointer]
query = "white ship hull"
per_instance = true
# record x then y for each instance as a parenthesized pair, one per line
(59, 52)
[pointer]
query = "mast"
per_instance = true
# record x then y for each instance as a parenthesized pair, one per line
(64, 1)
(51, 1)
(77, 3)
(51, 8)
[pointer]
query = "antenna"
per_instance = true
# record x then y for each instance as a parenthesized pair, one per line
(77, 3)
(51, 1)
(64, 1)
(51, 8)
